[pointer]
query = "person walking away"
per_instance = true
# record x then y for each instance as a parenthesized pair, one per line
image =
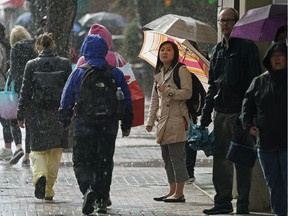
(266, 98)
(168, 107)
(10, 131)
(234, 63)
(95, 138)
(43, 81)
(22, 50)
(113, 58)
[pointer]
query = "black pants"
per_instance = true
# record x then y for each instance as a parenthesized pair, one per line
(93, 160)
(190, 160)
(11, 131)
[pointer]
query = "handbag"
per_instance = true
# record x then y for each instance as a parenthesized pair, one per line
(137, 95)
(241, 154)
(8, 101)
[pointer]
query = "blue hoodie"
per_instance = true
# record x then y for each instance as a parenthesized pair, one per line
(94, 49)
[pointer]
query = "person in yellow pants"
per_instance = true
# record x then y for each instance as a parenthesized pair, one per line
(46, 163)
(43, 81)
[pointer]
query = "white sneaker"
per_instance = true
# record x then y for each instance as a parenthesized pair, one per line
(6, 154)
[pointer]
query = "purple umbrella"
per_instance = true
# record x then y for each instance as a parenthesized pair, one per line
(261, 24)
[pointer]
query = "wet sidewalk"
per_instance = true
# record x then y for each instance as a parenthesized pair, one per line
(138, 177)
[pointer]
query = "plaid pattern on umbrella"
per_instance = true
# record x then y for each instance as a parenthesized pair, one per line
(188, 55)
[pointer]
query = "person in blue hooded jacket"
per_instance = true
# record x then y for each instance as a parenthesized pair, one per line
(94, 148)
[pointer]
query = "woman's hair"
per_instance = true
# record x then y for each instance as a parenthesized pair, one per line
(45, 40)
(174, 60)
(18, 33)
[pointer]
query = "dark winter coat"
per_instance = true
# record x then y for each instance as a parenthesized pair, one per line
(266, 99)
(94, 49)
(46, 132)
(20, 54)
(230, 74)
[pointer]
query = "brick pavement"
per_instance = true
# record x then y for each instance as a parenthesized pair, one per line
(138, 177)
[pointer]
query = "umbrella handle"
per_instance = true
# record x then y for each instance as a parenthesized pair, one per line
(170, 73)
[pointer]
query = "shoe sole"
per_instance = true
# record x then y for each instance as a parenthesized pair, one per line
(219, 212)
(40, 188)
(101, 210)
(88, 203)
(14, 160)
(180, 199)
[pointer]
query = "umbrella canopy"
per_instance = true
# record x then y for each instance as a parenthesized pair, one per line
(11, 3)
(104, 18)
(24, 19)
(195, 62)
(184, 27)
(261, 24)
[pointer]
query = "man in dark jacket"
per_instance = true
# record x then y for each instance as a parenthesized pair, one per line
(266, 99)
(235, 62)
(94, 148)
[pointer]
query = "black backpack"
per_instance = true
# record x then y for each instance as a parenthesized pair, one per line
(197, 100)
(48, 85)
(97, 102)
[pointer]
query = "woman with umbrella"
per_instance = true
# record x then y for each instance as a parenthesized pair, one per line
(169, 109)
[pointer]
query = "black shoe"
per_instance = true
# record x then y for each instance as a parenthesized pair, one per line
(160, 198)
(16, 156)
(218, 210)
(180, 199)
(101, 207)
(89, 199)
(242, 211)
(40, 187)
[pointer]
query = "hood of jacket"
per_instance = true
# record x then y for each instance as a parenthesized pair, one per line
(278, 46)
(103, 32)
(94, 48)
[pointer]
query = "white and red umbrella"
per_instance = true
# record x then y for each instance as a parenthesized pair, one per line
(188, 55)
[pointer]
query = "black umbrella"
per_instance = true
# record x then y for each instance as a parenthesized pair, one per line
(104, 18)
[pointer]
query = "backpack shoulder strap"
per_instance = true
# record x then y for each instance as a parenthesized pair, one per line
(176, 77)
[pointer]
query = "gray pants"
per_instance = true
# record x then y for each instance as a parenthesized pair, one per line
(174, 156)
(226, 128)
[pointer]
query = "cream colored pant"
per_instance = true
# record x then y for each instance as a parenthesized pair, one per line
(46, 163)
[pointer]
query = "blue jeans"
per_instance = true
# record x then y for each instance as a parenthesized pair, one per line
(274, 167)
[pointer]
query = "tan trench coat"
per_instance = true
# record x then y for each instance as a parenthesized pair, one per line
(169, 109)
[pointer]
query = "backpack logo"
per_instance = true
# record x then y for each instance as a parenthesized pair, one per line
(97, 102)
(197, 100)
